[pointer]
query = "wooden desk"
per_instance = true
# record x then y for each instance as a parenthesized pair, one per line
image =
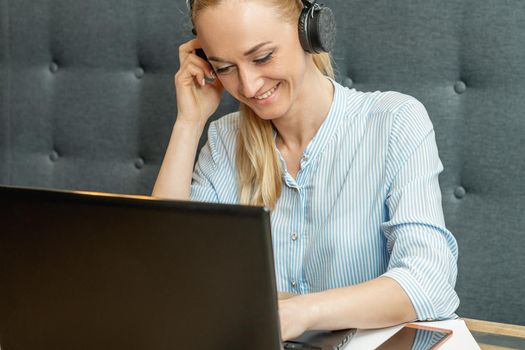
(496, 336)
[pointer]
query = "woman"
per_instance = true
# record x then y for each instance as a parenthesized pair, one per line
(351, 177)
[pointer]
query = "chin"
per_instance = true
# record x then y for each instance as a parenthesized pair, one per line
(270, 114)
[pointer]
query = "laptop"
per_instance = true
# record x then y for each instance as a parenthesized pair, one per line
(101, 271)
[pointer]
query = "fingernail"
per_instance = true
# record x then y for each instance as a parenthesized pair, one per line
(203, 81)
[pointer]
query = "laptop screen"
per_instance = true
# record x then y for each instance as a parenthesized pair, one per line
(107, 272)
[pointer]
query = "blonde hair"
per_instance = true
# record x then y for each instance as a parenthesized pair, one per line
(258, 167)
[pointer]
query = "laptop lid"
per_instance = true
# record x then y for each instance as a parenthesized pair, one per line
(115, 272)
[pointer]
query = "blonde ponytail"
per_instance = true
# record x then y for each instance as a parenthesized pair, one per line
(258, 169)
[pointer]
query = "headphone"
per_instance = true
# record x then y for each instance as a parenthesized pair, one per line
(316, 26)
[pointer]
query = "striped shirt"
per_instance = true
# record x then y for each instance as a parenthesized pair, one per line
(365, 203)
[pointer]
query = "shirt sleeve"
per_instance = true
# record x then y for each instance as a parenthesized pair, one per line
(423, 252)
(203, 179)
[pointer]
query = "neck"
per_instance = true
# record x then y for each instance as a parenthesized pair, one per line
(298, 127)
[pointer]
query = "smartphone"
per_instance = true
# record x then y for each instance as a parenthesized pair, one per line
(200, 52)
(415, 336)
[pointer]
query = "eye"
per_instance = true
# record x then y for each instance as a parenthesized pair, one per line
(264, 59)
(223, 70)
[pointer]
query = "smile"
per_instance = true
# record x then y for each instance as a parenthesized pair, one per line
(267, 94)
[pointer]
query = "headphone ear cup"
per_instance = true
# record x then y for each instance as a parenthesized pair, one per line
(317, 29)
(303, 30)
(322, 30)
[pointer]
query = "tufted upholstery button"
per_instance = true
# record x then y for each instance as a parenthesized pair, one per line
(348, 82)
(139, 72)
(53, 67)
(139, 163)
(460, 192)
(53, 156)
(460, 87)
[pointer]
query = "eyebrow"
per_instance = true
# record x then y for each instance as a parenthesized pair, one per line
(247, 53)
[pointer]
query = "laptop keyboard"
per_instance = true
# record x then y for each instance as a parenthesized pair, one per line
(311, 344)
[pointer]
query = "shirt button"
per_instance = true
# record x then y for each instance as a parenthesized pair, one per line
(305, 157)
(294, 284)
(294, 236)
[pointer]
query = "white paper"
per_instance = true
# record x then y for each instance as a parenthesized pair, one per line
(369, 339)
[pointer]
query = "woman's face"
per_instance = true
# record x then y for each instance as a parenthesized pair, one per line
(255, 53)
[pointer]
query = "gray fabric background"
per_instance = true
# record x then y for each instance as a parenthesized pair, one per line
(87, 102)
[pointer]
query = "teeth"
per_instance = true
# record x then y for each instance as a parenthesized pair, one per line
(267, 93)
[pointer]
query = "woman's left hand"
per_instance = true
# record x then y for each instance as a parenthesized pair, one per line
(294, 314)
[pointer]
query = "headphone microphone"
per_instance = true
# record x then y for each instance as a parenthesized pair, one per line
(316, 26)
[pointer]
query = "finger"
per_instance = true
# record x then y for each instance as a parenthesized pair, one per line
(188, 48)
(207, 71)
(191, 72)
(205, 65)
(200, 70)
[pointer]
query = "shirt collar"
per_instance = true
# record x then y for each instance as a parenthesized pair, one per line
(328, 127)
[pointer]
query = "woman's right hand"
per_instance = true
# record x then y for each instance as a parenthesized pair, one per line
(197, 99)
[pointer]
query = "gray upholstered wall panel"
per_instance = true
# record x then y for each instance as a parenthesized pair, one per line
(4, 93)
(489, 220)
(75, 93)
(464, 61)
(92, 100)
(87, 102)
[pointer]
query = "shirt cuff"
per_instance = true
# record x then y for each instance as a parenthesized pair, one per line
(423, 306)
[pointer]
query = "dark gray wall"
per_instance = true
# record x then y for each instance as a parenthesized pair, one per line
(464, 61)
(87, 102)
(4, 94)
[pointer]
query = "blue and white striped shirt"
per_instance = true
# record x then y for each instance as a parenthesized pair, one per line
(365, 203)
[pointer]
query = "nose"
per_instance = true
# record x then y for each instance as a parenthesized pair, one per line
(249, 82)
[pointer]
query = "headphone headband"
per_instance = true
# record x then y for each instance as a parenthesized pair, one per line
(306, 4)
(316, 26)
